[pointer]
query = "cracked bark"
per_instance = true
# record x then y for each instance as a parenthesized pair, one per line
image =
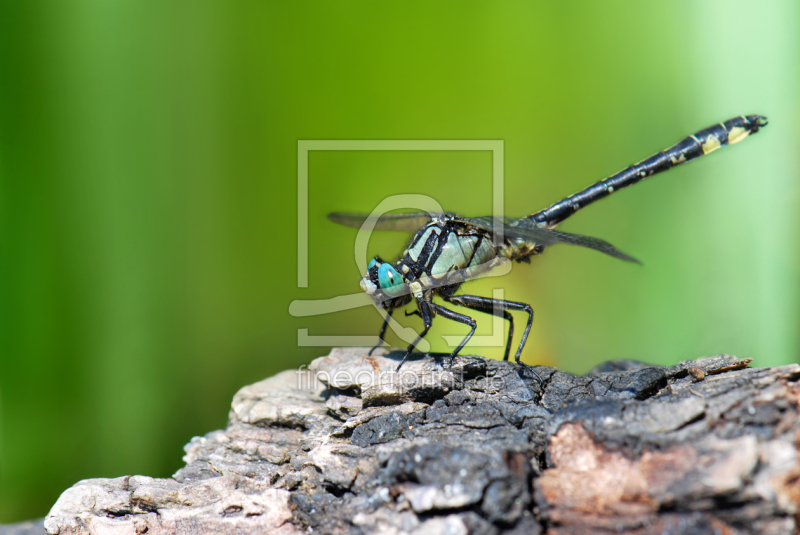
(705, 446)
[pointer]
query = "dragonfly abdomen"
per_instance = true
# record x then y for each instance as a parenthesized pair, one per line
(703, 142)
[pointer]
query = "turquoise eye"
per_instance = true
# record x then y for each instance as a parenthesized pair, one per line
(390, 280)
(371, 263)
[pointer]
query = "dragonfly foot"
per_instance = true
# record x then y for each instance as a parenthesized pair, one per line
(530, 368)
(402, 361)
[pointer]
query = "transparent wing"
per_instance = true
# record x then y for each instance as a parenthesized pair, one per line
(545, 236)
(593, 243)
(410, 221)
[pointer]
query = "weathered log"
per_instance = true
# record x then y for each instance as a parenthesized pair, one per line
(30, 527)
(705, 446)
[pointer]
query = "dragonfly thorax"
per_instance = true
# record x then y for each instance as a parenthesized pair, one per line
(444, 247)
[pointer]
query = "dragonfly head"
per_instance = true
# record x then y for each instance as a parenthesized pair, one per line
(382, 281)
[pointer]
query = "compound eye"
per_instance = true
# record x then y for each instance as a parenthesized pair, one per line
(372, 270)
(390, 280)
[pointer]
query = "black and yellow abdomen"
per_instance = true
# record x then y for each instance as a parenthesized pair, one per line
(703, 142)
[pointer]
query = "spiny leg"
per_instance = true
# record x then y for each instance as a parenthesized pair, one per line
(488, 306)
(383, 331)
(425, 310)
(514, 305)
(461, 318)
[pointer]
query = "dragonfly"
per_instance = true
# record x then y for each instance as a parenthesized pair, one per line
(448, 249)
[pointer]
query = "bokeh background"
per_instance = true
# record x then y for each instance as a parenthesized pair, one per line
(148, 195)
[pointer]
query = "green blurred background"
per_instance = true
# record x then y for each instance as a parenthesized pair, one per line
(148, 195)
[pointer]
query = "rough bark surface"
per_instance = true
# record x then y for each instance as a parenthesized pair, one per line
(705, 446)
(30, 527)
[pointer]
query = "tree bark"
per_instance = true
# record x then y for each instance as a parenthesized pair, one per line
(30, 527)
(349, 446)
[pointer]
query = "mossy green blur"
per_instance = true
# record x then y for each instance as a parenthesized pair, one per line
(148, 196)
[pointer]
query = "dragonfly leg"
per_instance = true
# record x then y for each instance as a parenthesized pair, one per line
(425, 310)
(489, 306)
(461, 318)
(383, 332)
(514, 305)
